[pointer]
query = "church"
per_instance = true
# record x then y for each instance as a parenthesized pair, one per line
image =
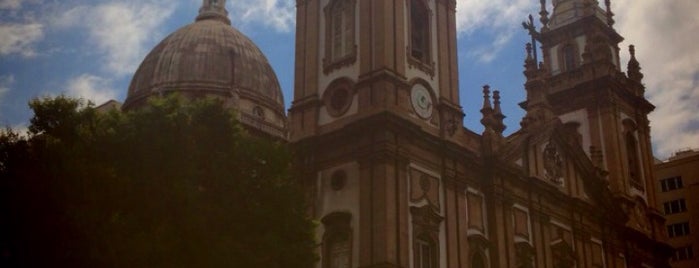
(393, 177)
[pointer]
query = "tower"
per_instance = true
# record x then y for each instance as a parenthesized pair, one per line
(376, 125)
(581, 83)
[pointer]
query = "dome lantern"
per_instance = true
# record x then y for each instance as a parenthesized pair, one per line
(214, 10)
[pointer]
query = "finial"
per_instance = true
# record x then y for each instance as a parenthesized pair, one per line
(499, 125)
(496, 101)
(486, 97)
(634, 68)
(544, 19)
(610, 15)
(530, 68)
(213, 10)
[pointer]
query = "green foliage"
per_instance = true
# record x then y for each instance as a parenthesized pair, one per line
(175, 184)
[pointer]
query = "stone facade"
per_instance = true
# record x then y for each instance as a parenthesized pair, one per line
(390, 170)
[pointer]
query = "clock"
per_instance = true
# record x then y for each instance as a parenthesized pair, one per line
(421, 100)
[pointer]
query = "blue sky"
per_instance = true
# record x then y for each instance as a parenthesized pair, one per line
(90, 49)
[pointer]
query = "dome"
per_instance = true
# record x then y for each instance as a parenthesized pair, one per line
(211, 58)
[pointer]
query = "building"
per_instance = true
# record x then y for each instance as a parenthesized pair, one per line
(678, 197)
(391, 173)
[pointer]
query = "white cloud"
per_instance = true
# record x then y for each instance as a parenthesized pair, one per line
(10, 4)
(664, 33)
(495, 19)
(90, 87)
(120, 30)
(6, 81)
(20, 38)
(277, 14)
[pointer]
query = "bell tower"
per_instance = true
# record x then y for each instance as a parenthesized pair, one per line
(359, 58)
(581, 82)
(375, 104)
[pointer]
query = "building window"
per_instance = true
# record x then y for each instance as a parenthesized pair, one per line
(339, 252)
(563, 255)
(338, 97)
(425, 231)
(675, 206)
(340, 48)
(337, 240)
(569, 57)
(632, 155)
(419, 45)
(670, 184)
(258, 111)
(683, 253)
(426, 253)
(678, 229)
(419, 30)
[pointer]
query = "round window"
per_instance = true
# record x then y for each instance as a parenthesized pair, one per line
(338, 180)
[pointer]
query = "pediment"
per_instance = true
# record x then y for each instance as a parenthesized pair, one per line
(554, 155)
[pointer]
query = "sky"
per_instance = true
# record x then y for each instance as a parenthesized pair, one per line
(91, 48)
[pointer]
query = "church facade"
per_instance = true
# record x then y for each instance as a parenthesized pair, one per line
(391, 174)
(396, 180)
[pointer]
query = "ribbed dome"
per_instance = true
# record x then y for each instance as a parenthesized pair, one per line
(211, 58)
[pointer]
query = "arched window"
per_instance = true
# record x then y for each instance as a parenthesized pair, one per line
(569, 57)
(425, 252)
(340, 48)
(419, 31)
(632, 154)
(337, 240)
(339, 252)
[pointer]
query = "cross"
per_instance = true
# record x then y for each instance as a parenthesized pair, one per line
(536, 36)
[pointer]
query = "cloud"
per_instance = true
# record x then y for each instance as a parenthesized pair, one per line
(10, 4)
(90, 87)
(20, 38)
(664, 33)
(280, 15)
(496, 21)
(120, 30)
(6, 81)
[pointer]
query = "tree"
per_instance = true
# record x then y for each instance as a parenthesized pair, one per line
(176, 183)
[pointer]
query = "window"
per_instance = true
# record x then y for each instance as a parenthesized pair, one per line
(339, 252)
(338, 96)
(569, 57)
(632, 155)
(425, 253)
(672, 183)
(425, 236)
(419, 31)
(683, 253)
(340, 48)
(337, 240)
(258, 111)
(678, 229)
(675, 206)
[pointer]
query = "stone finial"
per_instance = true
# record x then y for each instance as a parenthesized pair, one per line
(544, 16)
(610, 15)
(487, 110)
(530, 66)
(498, 117)
(634, 68)
(213, 10)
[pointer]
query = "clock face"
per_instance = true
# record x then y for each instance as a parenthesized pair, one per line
(421, 101)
